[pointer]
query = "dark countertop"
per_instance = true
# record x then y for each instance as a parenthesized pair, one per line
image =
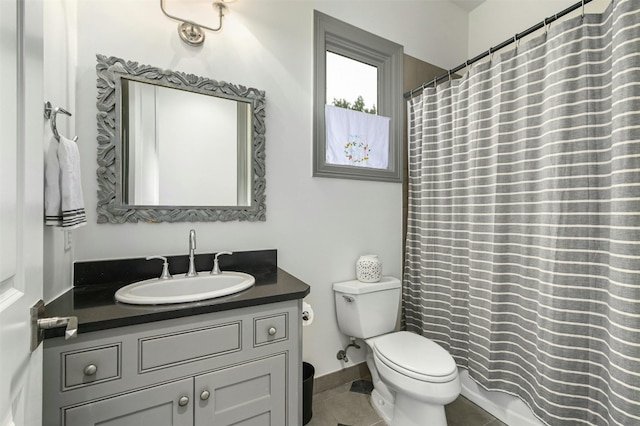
(96, 308)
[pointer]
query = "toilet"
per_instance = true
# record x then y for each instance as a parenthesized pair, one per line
(413, 377)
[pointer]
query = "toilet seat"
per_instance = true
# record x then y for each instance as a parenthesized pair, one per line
(415, 356)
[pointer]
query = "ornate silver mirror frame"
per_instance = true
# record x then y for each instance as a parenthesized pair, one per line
(111, 209)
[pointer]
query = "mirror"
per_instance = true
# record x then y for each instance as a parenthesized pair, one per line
(176, 147)
(172, 130)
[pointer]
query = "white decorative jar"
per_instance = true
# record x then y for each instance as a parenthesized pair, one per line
(368, 268)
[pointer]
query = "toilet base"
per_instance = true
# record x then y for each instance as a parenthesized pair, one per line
(409, 412)
(381, 396)
(382, 407)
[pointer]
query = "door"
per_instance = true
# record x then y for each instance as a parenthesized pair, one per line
(21, 208)
(170, 404)
(249, 394)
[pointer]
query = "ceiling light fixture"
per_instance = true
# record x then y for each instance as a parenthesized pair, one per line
(192, 33)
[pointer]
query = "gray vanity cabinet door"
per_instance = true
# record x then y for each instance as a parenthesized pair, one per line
(250, 394)
(159, 405)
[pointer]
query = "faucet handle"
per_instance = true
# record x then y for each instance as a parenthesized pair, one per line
(165, 267)
(216, 268)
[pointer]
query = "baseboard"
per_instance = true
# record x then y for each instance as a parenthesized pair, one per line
(340, 377)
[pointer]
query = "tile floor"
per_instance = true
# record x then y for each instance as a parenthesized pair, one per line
(348, 405)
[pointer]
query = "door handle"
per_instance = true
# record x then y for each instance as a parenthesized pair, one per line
(39, 324)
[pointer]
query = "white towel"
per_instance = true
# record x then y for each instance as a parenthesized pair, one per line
(356, 138)
(52, 202)
(64, 203)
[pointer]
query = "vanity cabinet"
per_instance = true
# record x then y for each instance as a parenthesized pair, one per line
(237, 367)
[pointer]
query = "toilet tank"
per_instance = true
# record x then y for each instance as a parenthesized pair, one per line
(366, 310)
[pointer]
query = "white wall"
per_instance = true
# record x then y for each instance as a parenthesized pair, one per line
(495, 21)
(60, 52)
(319, 226)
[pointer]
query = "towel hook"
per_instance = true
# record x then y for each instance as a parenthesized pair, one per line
(52, 121)
(50, 114)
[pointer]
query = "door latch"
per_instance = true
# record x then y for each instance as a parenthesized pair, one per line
(39, 324)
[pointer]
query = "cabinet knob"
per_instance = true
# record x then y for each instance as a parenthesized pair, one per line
(272, 331)
(90, 370)
(205, 395)
(184, 400)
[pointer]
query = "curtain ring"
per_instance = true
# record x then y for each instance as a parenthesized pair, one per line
(490, 55)
(449, 72)
(583, 9)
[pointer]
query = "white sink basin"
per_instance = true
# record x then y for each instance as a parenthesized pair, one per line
(180, 289)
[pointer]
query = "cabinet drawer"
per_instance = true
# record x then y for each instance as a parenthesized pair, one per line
(270, 329)
(90, 366)
(187, 346)
(158, 405)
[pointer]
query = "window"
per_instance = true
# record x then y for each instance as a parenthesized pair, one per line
(359, 71)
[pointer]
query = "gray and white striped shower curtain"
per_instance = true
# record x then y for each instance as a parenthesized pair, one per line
(523, 245)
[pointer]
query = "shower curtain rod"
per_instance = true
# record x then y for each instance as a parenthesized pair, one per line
(502, 45)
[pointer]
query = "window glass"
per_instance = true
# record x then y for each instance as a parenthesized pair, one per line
(351, 84)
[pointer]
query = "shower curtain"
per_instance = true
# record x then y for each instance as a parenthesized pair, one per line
(523, 246)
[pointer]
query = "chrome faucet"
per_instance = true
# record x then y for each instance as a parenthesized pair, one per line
(165, 267)
(216, 267)
(192, 248)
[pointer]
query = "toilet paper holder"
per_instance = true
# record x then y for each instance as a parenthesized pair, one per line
(307, 314)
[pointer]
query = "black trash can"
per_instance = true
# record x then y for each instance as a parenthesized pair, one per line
(307, 391)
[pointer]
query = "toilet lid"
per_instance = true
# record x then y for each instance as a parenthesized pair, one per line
(415, 356)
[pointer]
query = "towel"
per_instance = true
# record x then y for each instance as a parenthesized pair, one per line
(64, 203)
(356, 138)
(52, 203)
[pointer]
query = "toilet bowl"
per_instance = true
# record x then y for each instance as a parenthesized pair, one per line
(413, 377)
(421, 375)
